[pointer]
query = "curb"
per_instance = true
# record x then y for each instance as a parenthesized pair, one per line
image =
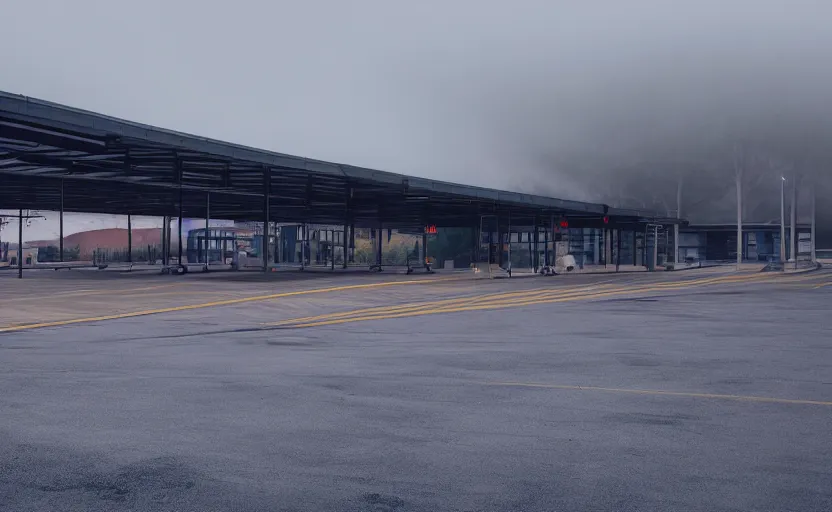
(817, 266)
(814, 268)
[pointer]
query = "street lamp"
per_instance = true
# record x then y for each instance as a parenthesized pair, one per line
(783, 221)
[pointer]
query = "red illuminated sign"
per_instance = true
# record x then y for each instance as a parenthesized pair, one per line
(564, 224)
(606, 219)
(431, 229)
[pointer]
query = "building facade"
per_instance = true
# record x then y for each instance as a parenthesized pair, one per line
(761, 242)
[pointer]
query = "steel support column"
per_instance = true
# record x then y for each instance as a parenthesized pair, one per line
(378, 246)
(475, 244)
(303, 242)
(346, 239)
(346, 244)
(164, 238)
(509, 245)
(618, 233)
(655, 261)
(607, 247)
(424, 249)
(179, 221)
(643, 249)
(536, 257)
(61, 228)
(129, 239)
(551, 256)
(267, 190)
(179, 228)
(207, 230)
(20, 244)
(331, 249)
(352, 242)
(500, 258)
(169, 237)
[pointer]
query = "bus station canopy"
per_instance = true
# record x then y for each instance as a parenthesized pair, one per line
(55, 157)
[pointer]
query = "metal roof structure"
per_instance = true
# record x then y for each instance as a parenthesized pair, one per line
(746, 226)
(57, 157)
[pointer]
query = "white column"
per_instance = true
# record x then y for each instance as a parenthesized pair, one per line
(739, 218)
(793, 222)
(783, 221)
(676, 226)
(814, 226)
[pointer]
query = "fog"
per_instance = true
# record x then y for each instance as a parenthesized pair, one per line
(611, 100)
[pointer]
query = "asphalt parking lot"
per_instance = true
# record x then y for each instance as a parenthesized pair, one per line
(686, 392)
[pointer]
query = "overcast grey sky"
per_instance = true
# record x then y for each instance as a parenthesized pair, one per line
(547, 96)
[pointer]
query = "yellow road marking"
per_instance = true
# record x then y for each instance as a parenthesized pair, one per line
(402, 310)
(183, 292)
(451, 301)
(384, 315)
(490, 298)
(85, 293)
(225, 302)
(796, 278)
(829, 283)
(802, 279)
(480, 307)
(743, 398)
(429, 308)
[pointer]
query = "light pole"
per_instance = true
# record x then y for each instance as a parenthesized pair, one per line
(814, 226)
(739, 220)
(783, 221)
(676, 225)
(793, 225)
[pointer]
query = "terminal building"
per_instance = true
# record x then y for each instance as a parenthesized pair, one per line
(241, 244)
(761, 242)
(58, 158)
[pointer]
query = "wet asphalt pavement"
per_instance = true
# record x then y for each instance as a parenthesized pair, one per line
(524, 409)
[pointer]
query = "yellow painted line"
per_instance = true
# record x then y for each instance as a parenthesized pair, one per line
(212, 293)
(796, 278)
(85, 293)
(488, 306)
(813, 286)
(225, 302)
(741, 398)
(242, 300)
(800, 279)
(720, 279)
(804, 277)
(492, 301)
(545, 294)
(451, 301)
(829, 283)
(480, 307)
(523, 294)
(427, 308)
